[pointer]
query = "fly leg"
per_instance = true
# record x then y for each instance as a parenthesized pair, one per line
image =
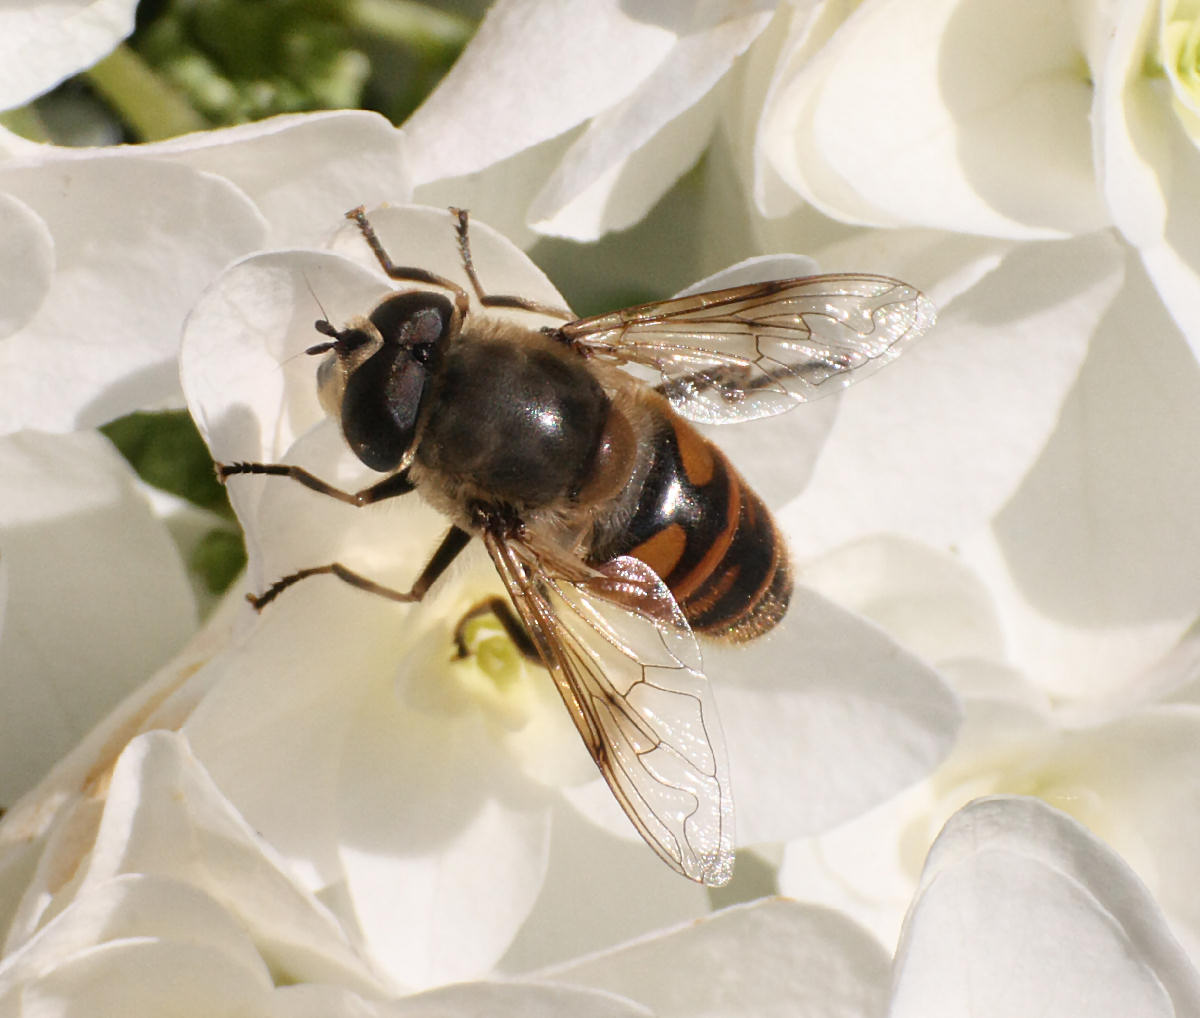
(489, 300)
(452, 544)
(503, 611)
(389, 487)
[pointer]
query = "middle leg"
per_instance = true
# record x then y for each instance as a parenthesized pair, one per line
(453, 543)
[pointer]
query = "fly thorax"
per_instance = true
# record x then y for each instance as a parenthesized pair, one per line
(519, 421)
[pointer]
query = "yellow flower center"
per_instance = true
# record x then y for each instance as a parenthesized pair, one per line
(493, 670)
(1055, 779)
(1179, 45)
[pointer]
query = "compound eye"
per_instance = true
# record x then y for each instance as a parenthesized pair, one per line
(413, 318)
(380, 406)
(383, 394)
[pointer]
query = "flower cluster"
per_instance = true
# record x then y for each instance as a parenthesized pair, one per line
(968, 754)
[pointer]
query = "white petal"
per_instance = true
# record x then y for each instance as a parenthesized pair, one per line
(632, 152)
(1148, 165)
(12, 144)
(514, 1000)
(105, 339)
(413, 806)
(133, 906)
(501, 194)
(26, 263)
(944, 266)
(824, 717)
(1173, 677)
(1175, 268)
(865, 869)
(928, 601)
(1131, 123)
(50, 830)
(438, 828)
(1021, 911)
(150, 978)
(772, 958)
(772, 100)
(322, 1000)
(592, 193)
(470, 120)
(1089, 606)
(165, 816)
(947, 110)
(43, 42)
(97, 596)
(302, 171)
(1137, 781)
(273, 727)
(869, 868)
(934, 444)
(603, 885)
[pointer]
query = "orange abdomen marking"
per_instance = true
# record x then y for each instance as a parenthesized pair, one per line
(709, 536)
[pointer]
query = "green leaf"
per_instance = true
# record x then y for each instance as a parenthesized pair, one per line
(218, 559)
(167, 451)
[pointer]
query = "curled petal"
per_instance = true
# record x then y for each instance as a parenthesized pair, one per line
(948, 108)
(1022, 911)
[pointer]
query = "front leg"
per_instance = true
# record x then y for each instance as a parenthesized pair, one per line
(389, 487)
(492, 300)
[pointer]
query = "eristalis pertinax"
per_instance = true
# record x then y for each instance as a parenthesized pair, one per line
(618, 530)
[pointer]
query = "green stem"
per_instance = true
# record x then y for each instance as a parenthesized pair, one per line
(409, 23)
(25, 121)
(151, 107)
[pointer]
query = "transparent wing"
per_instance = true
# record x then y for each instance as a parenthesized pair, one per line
(756, 350)
(628, 669)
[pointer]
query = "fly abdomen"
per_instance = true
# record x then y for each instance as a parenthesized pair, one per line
(708, 535)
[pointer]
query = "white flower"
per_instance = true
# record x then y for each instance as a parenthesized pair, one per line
(109, 248)
(1147, 144)
(1019, 911)
(430, 787)
(43, 42)
(1123, 767)
(175, 905)
(97, 597)
(1024, 121)
(159, 848)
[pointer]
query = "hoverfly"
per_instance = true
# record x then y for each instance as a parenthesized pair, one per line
(618, 530)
